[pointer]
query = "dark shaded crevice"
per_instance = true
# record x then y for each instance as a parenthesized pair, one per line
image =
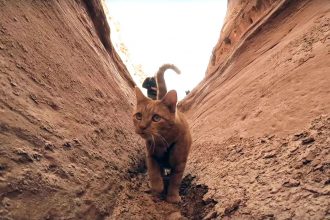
(193, 206)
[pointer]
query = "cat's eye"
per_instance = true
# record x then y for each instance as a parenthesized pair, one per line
(156, 118)
(138, 116)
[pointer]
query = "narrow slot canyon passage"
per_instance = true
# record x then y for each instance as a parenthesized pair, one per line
(259, 118)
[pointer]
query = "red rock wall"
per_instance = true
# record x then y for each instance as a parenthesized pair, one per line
(241, 19)
(65, 103)
(283, 50)
(265, 94)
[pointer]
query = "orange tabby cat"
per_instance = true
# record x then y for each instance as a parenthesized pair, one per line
(166, 133)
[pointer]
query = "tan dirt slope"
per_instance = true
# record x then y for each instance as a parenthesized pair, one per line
(250, 116)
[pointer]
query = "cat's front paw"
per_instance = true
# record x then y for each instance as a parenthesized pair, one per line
(173, 199)
(157, 187)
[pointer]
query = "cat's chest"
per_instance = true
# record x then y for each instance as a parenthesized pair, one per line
(163, 155)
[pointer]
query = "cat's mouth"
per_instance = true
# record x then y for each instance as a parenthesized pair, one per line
(143, 134)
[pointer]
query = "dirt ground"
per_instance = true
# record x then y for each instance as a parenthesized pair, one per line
(270, 177)
(260, 118)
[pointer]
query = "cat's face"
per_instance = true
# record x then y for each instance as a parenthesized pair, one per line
(154, 118)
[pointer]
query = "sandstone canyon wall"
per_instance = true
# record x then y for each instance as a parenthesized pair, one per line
(260, 118)
(65, 105)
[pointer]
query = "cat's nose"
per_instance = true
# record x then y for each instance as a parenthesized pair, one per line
(142, 127)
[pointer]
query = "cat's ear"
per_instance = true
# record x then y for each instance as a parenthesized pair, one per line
(170, 100)
(139, 95)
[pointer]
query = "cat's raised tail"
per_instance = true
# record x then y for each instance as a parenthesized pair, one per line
(161, 85)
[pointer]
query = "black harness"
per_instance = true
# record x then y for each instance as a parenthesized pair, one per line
(164, 161)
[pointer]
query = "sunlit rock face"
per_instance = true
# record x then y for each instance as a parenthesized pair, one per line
(265, 94)
(281, 46)
(241, 18)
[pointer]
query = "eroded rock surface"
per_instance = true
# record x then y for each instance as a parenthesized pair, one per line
(261, 90)
(65, 104)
